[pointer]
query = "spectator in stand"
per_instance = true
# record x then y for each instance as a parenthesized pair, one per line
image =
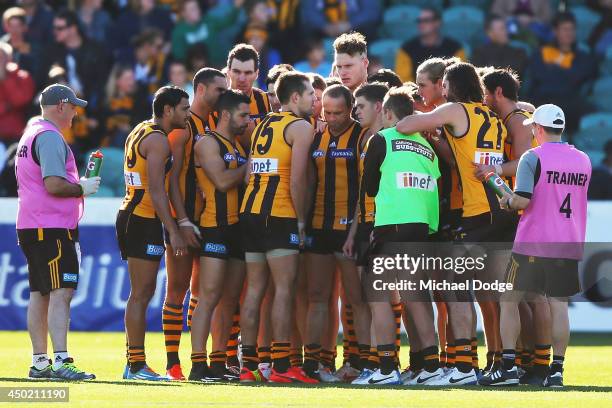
(16, 93)
(96, 21)
(257, 36)
(39, 18)
(330, 18)
(178, 76)
(148, 60)
(141, 15)
(282, 18)
(528, 20)
(601, 36)
(197, 58)
(195, 28)
(600, 187)
(25, 53)
(86, 62)
(127, 104)
(497, 51)
(315, 58)
(539, 9)
(8, 182)
(557, 72)
(429, 43)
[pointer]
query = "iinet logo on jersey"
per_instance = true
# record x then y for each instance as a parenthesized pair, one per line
(264, 165)
(419, 181)
(488, 158)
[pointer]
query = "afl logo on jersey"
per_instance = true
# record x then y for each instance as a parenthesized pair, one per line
(318, 153)
(228, 157)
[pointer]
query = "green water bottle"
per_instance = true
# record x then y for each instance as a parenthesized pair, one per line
(497, 184)
(94, 164)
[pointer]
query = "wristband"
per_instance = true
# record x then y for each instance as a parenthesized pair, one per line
(498, 169)
(81, 188)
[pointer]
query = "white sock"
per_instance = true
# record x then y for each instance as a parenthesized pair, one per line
(58, 359)
(40, 361)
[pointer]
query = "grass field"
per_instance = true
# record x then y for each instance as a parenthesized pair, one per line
(588, 379)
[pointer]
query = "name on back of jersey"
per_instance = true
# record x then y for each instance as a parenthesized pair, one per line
(264, 165)
(132, 178)
(488, 158)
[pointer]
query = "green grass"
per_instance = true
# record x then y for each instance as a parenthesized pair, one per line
(588, 379)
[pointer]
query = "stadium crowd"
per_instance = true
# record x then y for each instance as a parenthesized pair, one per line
(117, 53)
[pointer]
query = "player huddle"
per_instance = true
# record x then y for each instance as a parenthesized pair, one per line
(269, 206)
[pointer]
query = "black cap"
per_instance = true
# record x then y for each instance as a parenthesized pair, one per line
(57, 93)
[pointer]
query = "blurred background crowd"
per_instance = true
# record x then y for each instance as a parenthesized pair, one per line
(116, 53)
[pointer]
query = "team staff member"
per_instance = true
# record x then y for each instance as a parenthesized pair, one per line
(273, 221)
(475, 135)
(242, 71)
(501, 95)
(335, 158)
(187, 202)
(50, 204)
(220, 169)
(402, 168)
(145, 207)
(551, 187)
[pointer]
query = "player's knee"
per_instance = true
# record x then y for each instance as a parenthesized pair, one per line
(63, 295)
(142, 294)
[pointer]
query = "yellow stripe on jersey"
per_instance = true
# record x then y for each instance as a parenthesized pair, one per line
(366, 203)
(259, 106)
(336, 160)
(456, 196)
(137, 199)
(268, 191)
(221, 208)
(509, 153)
(482, 143)
(192, 197)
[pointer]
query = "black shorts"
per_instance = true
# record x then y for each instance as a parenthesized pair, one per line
(450, 220)
(362, 242)
(553, 277)
(222, 242)
(139, 237)
(390, 241)
(53, 257)
(261, 233)
(325, 242)
(488, 227)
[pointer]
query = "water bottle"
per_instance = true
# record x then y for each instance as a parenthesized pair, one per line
(497, 184)
(94, 164)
